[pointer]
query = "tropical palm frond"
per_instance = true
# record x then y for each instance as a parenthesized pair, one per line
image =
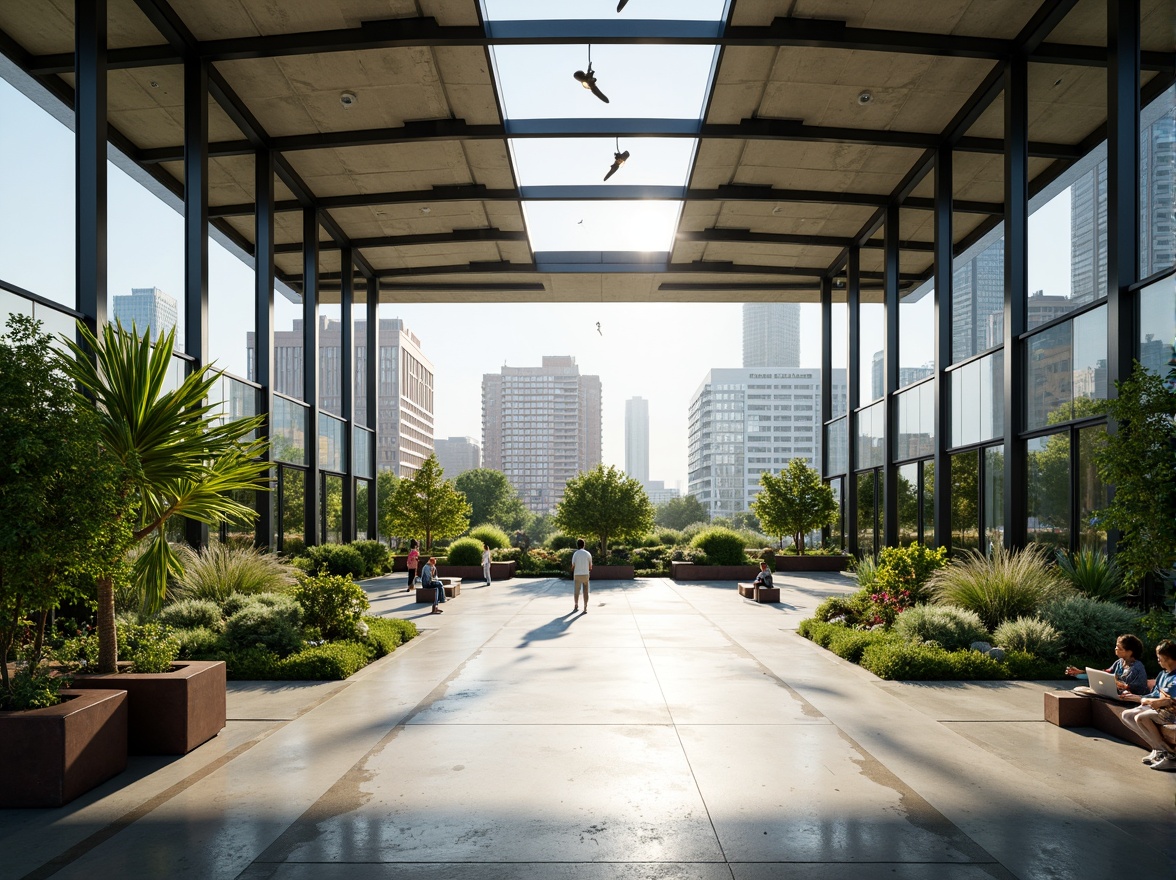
(154, 566)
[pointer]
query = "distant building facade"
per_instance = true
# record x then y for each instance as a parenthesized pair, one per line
(456, 455)
(404, 393)
(744, 422)
(147, 308)
(637, 439)
(658, 492)
(541, 426)
(771, 334)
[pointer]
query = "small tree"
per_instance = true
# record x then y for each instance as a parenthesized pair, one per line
(492, 498)
(677, 513)
(1139, 460)
(795, 502)
(428, 504)
(605, 503)
(386, 483)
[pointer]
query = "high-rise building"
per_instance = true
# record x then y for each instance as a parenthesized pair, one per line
(744, 422)
(541, 426)
(147, 308)
(404, 394)
(906, 375)
(457, 455)
(637, 439)
(977, 296)
(659, 493)
(771, 334)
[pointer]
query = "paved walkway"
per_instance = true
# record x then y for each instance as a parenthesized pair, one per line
(675, 731)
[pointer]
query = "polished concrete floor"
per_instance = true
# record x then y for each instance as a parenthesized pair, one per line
(674, 731)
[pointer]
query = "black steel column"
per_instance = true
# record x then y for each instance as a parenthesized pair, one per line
(310, 360)
(943, 294)
(347, 388)
(1016, 171)
(890, 368)
(853, 301)
(90, 160)
(196, 231)
(826, 384)
(263, 337)
(372, 366)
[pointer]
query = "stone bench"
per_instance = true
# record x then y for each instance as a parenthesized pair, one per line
(1068, 709)
(767, 595)
(428, 594)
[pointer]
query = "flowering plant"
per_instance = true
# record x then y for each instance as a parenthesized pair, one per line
(885, 606)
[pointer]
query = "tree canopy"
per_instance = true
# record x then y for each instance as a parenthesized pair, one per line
(428, 505)
(492, 499)
(677, 513)
(386, 483)
(794, 502)
(606, 504)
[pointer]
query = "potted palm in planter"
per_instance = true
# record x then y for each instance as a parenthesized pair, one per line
(57, 502)
(177, 459)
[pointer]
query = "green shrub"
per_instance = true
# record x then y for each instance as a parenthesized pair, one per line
(721, 546)
(1087, 626)
(465, 551)
(1029, 667)
(192, 613)
(275, 627)
(865, 570)
(33, 687)
(999, 587)
(561, 542)
(78, 652)
(376, 557)
(896, 660)
(386, 634)
(908, 568)
(1030, 635)
(219, 570)
(148, 646)
(250, 664)
(1157, 625)
(331, 604)
(198, 643)
(563, 560)
(336, 559)
(852, 643)
(853, 609)
(688, 554)
(818, 631)
(333, 661)
(488, 534)
(951, 627)
(1094, 574)
(669, 537)
(655, 558)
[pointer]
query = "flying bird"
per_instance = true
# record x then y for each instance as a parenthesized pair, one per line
(619, 159)
(588, 80)
(621, 5)
(598, 330)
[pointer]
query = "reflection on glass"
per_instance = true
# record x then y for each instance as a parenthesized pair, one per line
(363, 453)
(867, 533)
(873, 334)
(965, 502)
(332, 512)
(837, 530)
(330, 338)
(977, 400)
(928, 502)
(332, 451)
(993, 495)
(908, 504)
(231, 315)
(288, 379)
(916, 335)
(1050, 379)
(1092, 494)
(1049, 489)
(361, 511)
(837, 446)
(240, 533)
(1090, 361)
(1157, 197)
(871, 436)
(977, 298)
(292, 509)
(1157, 324)
(288, 431)
(839, 315)
(916, 422)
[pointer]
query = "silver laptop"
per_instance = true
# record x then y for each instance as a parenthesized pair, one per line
(1102, 683)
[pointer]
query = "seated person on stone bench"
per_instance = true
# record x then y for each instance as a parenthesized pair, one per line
(1130, 673)
(763, 579)
(1157, 708)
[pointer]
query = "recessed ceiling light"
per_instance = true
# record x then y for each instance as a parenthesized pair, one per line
(154, 84)
(426, 210)
(865, 97)
(348, 99)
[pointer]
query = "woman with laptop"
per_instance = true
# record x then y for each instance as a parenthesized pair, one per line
(1129, 671)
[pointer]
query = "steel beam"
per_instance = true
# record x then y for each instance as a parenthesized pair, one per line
(263, 337)
(90, 131)
(396, 241)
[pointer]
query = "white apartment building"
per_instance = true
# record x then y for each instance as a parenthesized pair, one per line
(541, 426)
(750, 420)
(456, 455)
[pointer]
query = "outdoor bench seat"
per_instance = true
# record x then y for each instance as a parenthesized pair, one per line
(1068, 709)
(767, 595)
(428, 594)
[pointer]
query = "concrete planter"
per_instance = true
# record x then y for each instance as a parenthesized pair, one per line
(612, 573)
(688, 571)
(53, 755)
(499, 571)
(811, 563)
(170, 713)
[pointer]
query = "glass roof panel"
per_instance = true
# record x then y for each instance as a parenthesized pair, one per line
(585, 161)
(684, 10)
(602, 226)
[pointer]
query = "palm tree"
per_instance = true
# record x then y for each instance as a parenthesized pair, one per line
(180, 458)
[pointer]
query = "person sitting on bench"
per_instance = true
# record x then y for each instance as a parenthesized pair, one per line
(1156, 709)
(763, 579)
(1129, 671)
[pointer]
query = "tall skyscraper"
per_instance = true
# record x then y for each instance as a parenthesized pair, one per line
(457, 455)
(404, 395)
(637, 439)
(978, 296)
(771, 334)
(147, 308)
(747, 421)
(541, 426)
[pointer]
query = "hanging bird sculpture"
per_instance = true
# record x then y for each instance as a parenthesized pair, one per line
(588, 80)
(621, 5)
(619, 159)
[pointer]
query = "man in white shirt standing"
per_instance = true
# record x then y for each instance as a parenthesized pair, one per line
(581, 569)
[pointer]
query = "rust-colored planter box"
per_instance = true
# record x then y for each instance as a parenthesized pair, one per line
(50, 756)
(1066, 709)
(612, 573)
(170, 713)
(688, 571)
(811, 563)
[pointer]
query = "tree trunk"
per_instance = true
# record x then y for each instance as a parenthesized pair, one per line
(800, 543)
(39, 637)
(107, 637)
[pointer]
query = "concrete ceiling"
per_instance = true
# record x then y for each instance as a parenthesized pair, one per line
(833, 161)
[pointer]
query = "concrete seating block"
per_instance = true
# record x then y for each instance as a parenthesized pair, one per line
(766, 596)
(452, 590)
(1067, 709)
